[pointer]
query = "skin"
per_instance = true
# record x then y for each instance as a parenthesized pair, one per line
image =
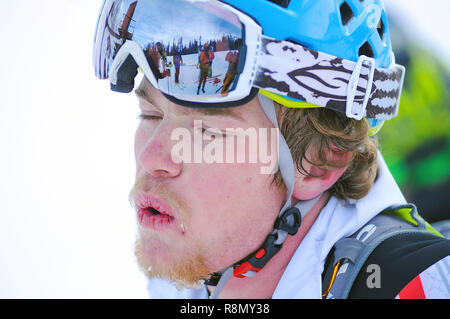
(223, 211)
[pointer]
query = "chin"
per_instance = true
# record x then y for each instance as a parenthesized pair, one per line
(180, 266)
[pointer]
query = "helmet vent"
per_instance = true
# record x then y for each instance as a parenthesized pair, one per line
(282, 3)
(381, 29)
(346, 13)
(366, 49)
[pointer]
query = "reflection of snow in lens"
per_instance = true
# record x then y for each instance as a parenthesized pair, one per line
(190, 72)
(176, 53)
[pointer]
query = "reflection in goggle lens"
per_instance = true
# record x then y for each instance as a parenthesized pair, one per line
(192, 48)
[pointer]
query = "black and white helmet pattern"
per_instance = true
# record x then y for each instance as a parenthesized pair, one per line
(318, 78)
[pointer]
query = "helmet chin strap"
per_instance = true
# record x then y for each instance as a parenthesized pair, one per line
(287, 223)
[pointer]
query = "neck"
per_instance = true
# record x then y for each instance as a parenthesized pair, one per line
(263, 285)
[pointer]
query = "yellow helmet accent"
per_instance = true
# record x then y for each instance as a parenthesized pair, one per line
(374, 130)
(304, 105)
(287, 101)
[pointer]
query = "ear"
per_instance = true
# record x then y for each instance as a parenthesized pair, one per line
(320, 179)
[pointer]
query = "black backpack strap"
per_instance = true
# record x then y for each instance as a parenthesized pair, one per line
(399, 260)
(350, 258)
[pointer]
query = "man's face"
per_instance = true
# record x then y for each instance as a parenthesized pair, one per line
(209, 215)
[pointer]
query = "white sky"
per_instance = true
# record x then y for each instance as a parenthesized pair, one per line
(66, 153)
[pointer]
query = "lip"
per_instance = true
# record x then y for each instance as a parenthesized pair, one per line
(154, 222)
(149, 220)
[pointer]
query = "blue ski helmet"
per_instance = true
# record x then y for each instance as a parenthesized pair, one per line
(343, 28)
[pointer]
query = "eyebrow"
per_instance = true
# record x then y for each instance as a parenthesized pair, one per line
(143, 94)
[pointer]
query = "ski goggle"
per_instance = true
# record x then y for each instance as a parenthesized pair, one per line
(205, 53)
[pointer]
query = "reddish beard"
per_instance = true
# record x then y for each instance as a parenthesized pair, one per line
(186, 270)
(180, 261)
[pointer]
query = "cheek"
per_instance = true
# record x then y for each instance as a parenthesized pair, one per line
(237, 209)
(220, 184)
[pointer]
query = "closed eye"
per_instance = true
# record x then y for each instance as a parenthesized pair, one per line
(149, 117)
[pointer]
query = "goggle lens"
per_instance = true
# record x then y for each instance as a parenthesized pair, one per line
(192, 47)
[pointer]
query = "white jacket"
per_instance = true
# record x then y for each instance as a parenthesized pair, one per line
(338, 219)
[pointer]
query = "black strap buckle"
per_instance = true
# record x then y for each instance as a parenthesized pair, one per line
(289, 221)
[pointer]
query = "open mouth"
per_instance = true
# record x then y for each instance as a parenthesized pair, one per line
(153, 213)
(154, 219)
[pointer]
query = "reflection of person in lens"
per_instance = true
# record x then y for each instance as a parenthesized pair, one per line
(157, 58)
(206, 58)
(177, 61)
(232, 58)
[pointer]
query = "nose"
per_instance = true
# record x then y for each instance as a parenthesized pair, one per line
(154, 154)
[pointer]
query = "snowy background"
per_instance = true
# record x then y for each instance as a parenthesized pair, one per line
(66, 152)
